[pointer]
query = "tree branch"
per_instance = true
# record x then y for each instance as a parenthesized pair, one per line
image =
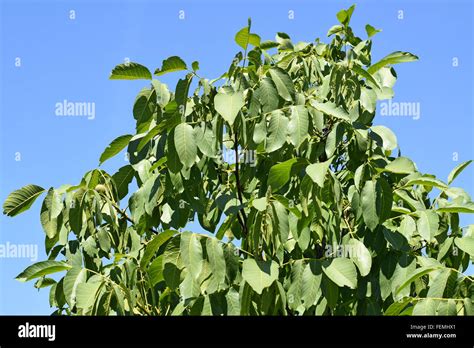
(239, 187)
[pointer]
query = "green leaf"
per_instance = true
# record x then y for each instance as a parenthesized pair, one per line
(280, 220)
(162, 92)
(317, 171)
(181, 93)
(143, 108)
(295, 290)
(376, 202)
(117, 145)
(389, 139)
(401, 165)
(283, 83)
(86, 294)
(195, 65)
(277, 130)
(191, 252)
(427, 181)
(259, 274)
(331, 109)
(426, 306)
(360, 255)
(298, 125)
(171, 64)
(392, 58)
(20, 200)
(438, 284)
(371, 31)
(153, 245)
(155, 270)
(185, 144)
(457, 208)
(206, 140)
(233, 302)
(260, 203)
(215, 254)
(122, 179)
(419, 272)
(50, 210)
(229, 105)
(130, 71)
(397, 307)
(334, 138)
(359, 70)
(466, 244)
(42, 268)
(311, 282)
(243, 38)
(280, 174)
(341, 271)
(73, 278)
(344, 16)
(267, 95)
(428, 224)
(457, 170)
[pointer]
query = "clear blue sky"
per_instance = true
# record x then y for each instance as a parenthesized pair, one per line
(71, 59)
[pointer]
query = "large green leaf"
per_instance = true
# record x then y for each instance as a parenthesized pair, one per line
(389, 139)
(283, 83)
(243, 38)
(42, 268)
(331, 109)
(280, 174)
(376, 201)
(20, 200)
(341, 271)
(457, 170)
(117, 145)
(277, 131)
(401, 165)
(215, 254)
(171, 64)
(392, 58)
(311, 282)
(466, 244)
(267, 95)
(153, 245)
(185, 144)
(427, 224)
(229, 105)
(50, 210)
(317, 171)
(130, 71)
(298, 125)
(259, 274)
(419, 272)
(457, 208)
(191, 252)
(361, 256)
(122, 179)
(427, 181)
(233, 302)
(143, 108)
(86, 294)
(73, 278)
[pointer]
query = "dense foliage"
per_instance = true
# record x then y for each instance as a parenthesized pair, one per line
(310, 208)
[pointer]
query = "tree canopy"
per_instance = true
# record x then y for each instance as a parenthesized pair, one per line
(309, 208)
